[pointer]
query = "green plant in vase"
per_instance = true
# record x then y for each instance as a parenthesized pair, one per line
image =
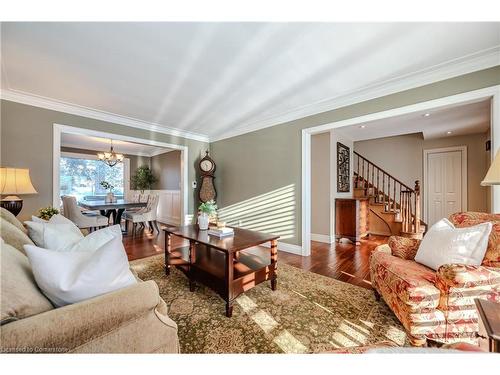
(47, 212)
(143, 179)
(205, 211)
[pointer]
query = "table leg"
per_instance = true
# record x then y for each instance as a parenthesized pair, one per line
(229, 309)
(168, 249)
(118, 216)
(274, 262)
(108, 213)
(192, 260)
(229, 275)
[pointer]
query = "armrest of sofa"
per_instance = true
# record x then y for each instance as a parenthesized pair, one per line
(67, 327)
(466, 276)
(403, 247)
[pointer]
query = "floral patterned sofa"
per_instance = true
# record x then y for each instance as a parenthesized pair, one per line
(437, 304)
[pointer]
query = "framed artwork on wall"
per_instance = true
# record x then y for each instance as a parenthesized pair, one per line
(343, 168)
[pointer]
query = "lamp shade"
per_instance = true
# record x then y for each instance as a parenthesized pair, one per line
(493, 175)
(16, 181)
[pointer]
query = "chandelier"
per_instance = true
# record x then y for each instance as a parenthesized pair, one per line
(111, 158)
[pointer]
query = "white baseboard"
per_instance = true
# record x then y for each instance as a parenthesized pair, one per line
(287, 247)
(321, 238)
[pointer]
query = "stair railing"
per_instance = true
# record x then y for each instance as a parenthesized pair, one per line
(391, 192)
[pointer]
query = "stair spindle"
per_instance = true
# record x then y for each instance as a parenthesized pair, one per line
(357, 180)
(394, 198)
(378, 186)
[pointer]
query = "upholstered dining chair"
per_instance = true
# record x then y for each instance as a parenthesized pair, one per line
(145, 215)
(82, 221)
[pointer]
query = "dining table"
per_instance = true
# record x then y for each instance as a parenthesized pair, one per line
(111, 209)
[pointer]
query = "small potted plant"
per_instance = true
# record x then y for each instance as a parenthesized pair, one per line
(110, 197)
(47, 212)
(205, 210)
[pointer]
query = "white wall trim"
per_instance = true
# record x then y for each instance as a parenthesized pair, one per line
(78, 110)
(56, 154)
(467, 64)
(492, 92)
(321, 238)
(464, 161)
(155, 152)
(286, 247)
(306, 193)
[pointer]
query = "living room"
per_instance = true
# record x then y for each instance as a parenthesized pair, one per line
(250, 188)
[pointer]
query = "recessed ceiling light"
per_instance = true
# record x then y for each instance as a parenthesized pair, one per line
(427, 114)
(449, 132)
(362, 126)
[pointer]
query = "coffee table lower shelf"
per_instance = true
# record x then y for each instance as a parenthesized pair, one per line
(210, 267)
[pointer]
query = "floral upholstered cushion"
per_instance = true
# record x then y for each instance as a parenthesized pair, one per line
(413, 283)
(467, 219)
(467, 276)
(404, 248)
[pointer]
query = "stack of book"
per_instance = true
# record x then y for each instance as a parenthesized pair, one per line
(221, 232)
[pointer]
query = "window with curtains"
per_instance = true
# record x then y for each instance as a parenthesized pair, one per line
(81, 176)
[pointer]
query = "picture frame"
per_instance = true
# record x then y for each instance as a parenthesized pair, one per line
(343, 168)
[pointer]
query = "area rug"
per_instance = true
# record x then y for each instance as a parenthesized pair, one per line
(308, 313)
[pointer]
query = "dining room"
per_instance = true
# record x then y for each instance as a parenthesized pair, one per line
(104, 180)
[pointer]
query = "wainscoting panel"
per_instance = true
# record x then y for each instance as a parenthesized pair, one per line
(169, 206)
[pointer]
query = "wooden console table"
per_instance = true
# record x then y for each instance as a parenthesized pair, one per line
(229, 265)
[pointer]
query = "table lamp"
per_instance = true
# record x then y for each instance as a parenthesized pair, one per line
(14, 181)
(493, 175)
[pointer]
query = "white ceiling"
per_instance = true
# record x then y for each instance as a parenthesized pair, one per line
(218, 79)
(86, 142)
(462, 119)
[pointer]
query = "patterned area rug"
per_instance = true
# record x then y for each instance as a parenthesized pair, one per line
(308, 313)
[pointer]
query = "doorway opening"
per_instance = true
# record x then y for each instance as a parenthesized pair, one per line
(78, 172)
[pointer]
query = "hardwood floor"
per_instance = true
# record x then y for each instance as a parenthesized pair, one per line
(345, 262)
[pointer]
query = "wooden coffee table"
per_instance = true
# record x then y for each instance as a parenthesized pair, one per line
(489, 325)
(230, 265)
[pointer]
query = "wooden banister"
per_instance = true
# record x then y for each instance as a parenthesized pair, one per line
(382, 170)
(395, 194)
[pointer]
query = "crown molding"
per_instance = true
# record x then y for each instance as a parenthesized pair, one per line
(55, 105)
(467, 64)
(155, 152)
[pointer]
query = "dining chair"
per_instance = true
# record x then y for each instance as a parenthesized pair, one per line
(73, 213)
(144, 215)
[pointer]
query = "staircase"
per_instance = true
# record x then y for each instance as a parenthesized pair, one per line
(394, 206)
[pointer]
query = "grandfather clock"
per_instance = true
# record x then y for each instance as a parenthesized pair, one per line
(207, 188)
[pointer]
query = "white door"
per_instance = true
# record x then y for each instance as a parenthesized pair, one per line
(444, 185)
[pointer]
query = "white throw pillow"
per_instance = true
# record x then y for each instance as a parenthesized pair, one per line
(67, 277)
(445, 244)
(55, 234)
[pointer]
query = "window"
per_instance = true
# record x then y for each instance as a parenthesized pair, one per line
(81, 175)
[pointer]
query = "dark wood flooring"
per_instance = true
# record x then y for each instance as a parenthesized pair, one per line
(345, 262)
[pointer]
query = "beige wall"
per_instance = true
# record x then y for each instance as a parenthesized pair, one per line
(27, 142)
(167, 168)
(262, 161)
(405, 160)
(320, 184)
